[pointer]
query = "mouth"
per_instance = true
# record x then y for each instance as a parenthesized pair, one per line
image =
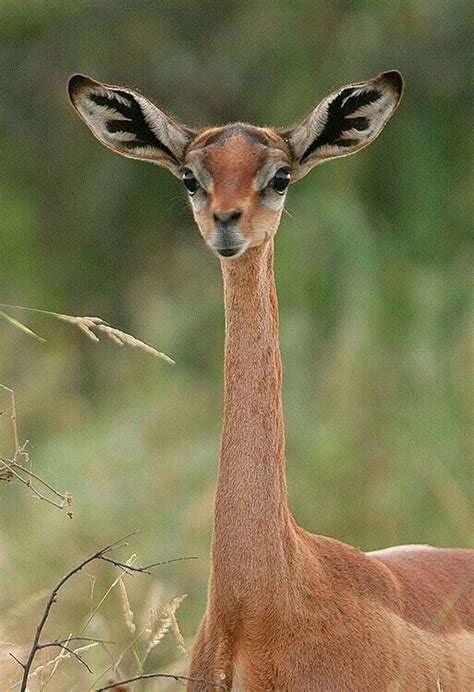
(229, 245)
(228, 242)
(230, 252)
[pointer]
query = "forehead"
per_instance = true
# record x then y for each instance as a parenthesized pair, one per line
(237, 149)
(219, 136)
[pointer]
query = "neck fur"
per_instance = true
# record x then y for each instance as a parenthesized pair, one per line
(252, 524)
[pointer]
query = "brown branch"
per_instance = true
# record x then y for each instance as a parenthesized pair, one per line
(17, 660)
(167, 562)
(150, 676)
(123, 565)
(63, 644)
(82, 639)
(8, 472)
(36, 646)
(146, 568)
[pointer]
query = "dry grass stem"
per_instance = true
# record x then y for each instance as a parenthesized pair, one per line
(157, 628)
(92, 580)
(126, 609)
(88, 324)
(172, 608)
(19, 467)
(154, 596)
(154, 629)
(150, 623)
(125, 651)
(124, 566)
(37, 645)
(149, 636)
(63, 655)
(159, 625)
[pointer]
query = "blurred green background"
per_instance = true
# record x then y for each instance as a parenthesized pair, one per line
(374, 273)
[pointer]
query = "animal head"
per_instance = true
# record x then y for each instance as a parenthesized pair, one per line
(237, 176)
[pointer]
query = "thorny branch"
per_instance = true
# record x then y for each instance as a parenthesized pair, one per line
(19, 467)
(150, 676)
(146, 568)
(49, 645)
(64, 644)
(36, 646)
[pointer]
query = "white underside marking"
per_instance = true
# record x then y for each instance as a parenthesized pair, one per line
(401, 548)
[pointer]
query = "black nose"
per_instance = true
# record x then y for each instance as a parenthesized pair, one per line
(227, 216)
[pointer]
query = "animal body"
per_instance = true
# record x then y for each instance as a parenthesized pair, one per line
(288, 610)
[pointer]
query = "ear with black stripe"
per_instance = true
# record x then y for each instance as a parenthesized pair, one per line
(344, 121)
(128, 123)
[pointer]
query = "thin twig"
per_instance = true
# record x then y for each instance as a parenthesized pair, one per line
(64, 648)
(54, 663)
(150, 676)
(36, 646)
(64, 644)
(14, 418)
(167, 562)
(125, 651)
(64, 496)
(83, 639)
(17, 660)
(146, 568)
(123, 567)
(11, 468)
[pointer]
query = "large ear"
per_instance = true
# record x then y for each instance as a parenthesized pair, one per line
(344, 121)
(128, 123)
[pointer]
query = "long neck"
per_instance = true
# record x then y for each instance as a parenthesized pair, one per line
(252, 523)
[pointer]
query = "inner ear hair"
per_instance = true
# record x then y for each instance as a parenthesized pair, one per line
(128, 123)
(346, 120)
(129, 119)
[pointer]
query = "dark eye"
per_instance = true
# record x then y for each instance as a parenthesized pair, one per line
(190, 181)
(281, 180)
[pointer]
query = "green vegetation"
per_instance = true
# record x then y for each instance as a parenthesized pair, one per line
(374, 272)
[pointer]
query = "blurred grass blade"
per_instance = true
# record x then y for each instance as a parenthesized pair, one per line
(19, 325)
